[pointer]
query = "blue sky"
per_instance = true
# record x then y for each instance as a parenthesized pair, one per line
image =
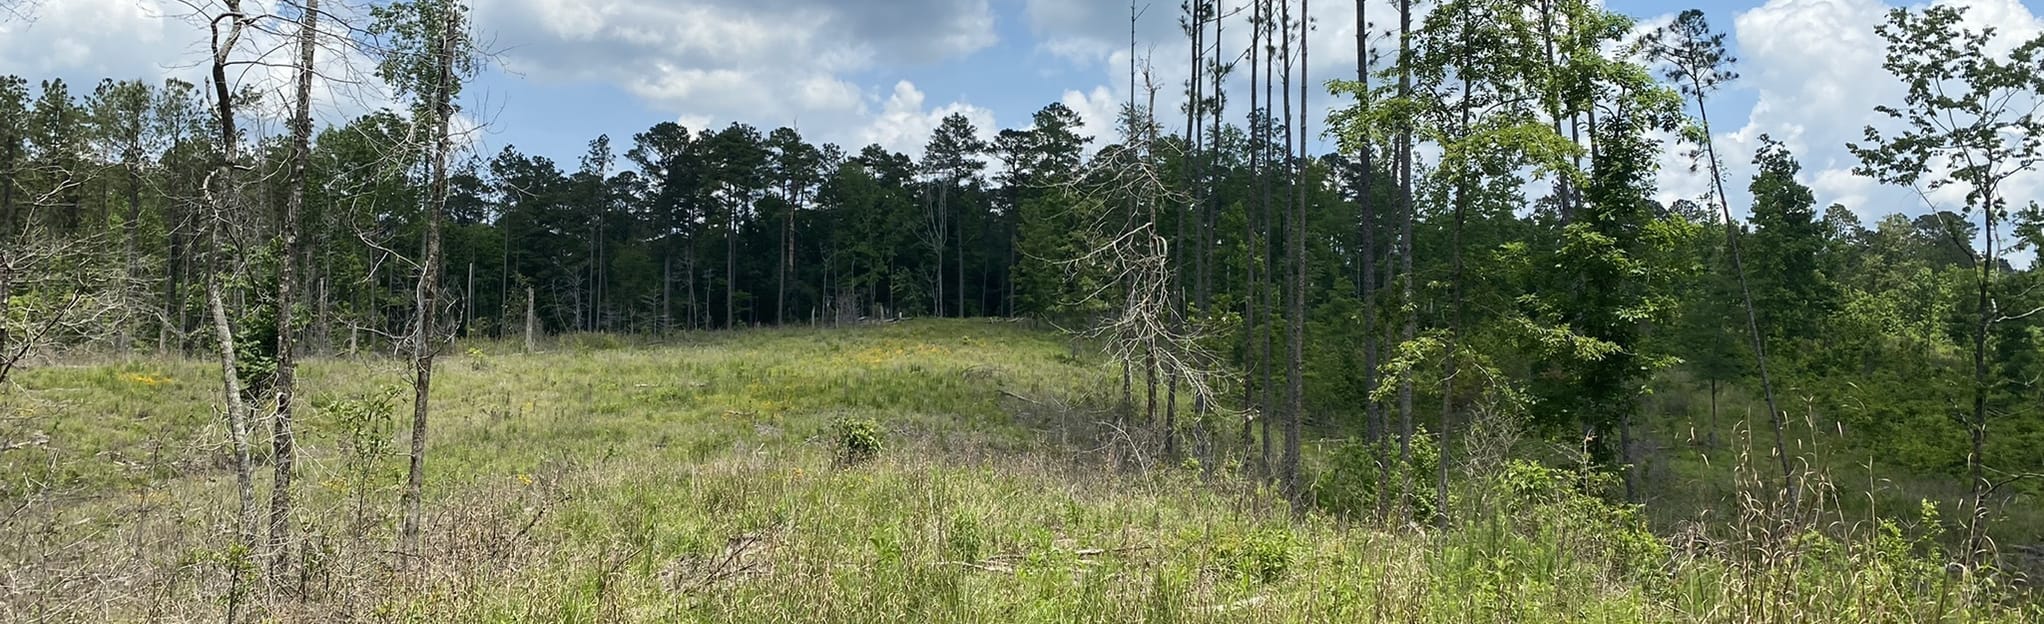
(885, 71)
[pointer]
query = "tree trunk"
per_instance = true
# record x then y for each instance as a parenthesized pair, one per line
(1295, 389)
(237, 430)
(1976, 457)
(231, 391)
(1774, 413)
(424, 343)
(1411, 330)
(731, 270)
(531, 322)
(1712, 438)
(282, 440)
(1266, 402)
(1252, 298)
(131, 229)
(787, 258)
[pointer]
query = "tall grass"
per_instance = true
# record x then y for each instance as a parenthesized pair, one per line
(709, 478)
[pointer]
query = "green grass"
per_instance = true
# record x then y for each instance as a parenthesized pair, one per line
(701, 480)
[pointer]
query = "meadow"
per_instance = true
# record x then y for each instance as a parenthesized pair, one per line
(928, 471)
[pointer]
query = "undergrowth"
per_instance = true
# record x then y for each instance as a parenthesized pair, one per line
(919, 472)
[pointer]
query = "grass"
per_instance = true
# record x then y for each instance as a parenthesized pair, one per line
(703, 480)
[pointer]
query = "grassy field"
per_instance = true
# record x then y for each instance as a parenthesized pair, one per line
(936, 471)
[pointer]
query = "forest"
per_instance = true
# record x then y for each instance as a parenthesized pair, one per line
(1456, 292)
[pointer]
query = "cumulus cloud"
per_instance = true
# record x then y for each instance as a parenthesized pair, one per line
(1815, 70)
(905, 124)
(84, 41)
(1097, 111)
(764, 62)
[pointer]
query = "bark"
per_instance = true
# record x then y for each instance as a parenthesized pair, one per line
(425, 344)
(1774, 413)
(222, 199)
(1253, 300)
(1366, 287)
(1295, 391)
(1976, 457)
(6, 298)
(1411, 330)
(282, 440)
(1266, 402)
(531, 322)
(131, 228)
(1712, 437)
(731, 270)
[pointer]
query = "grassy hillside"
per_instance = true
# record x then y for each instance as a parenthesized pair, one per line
(931, 471)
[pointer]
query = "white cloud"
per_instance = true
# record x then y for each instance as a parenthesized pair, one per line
(84, 41)
(905, 126)
(764, 62)
(1815, 67)
(1097, 111)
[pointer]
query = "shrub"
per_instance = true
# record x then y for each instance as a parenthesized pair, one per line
(858, 439)
(1264, 555)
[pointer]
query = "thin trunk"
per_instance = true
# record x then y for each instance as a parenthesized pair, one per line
(237, 429)
(943, 208)
(1252, 299)
(1405, 250)
(468, 301)
(787, 258)
(1366, 287)
(958, 259)
(424, 346)
(1266, 402)
(1774, 413)
(131, 227)
(531, 322)
(1712, 437)
(1976, 457)
(172, 325)
(666, 294)
(1454, 340)
(282, 440)
(6, 297)
(731, 271)
(231, 392)
(1295, 392)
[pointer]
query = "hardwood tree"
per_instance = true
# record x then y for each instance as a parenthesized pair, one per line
(1966, 125)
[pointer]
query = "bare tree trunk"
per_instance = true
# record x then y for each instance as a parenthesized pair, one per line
(1268, 406)
(237, 431)
(1295, 389)
(1405, 256)
(731, 270)
(1252, 299)
(6, 297)
(1976, 457)
(1712, 437)
(131, 227)
(1774, 414)
(787, 258)
(282, 440)
(425, 335)
(231, 391)
(531, 322)
(958, 227)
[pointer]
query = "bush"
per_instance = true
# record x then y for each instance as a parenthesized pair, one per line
(858, 439)
(1265, 555)
(1346, 485)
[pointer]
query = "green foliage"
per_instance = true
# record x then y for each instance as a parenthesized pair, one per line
(1263, 556)
(857, 439)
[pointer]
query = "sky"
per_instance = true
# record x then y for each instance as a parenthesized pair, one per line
(562, 72)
